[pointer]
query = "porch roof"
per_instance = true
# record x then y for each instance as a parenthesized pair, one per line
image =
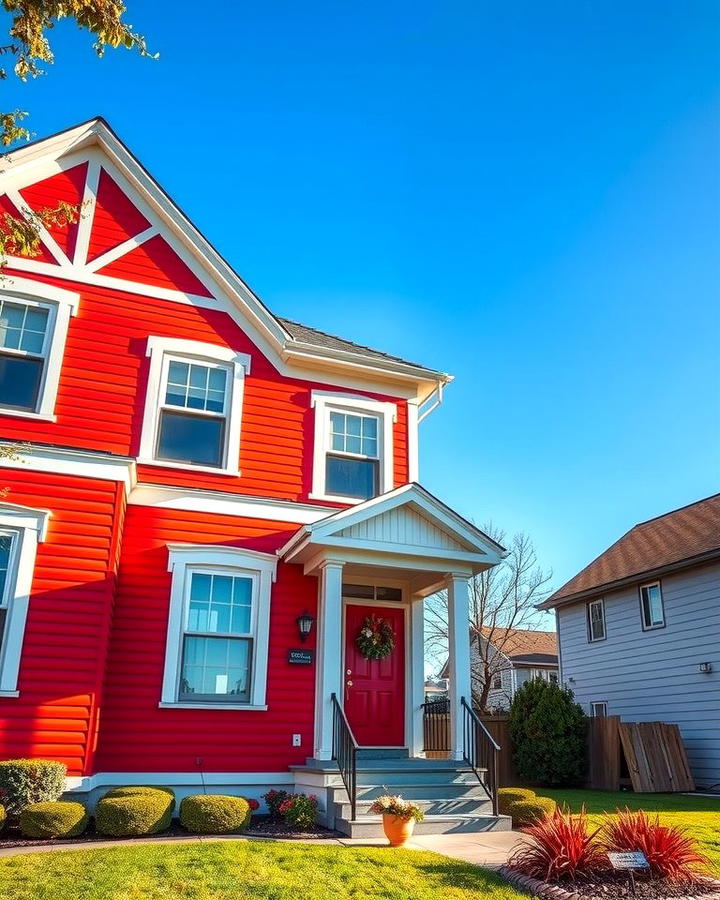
(407, 528)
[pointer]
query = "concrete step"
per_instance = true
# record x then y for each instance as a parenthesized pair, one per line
(422, 791)
(371, 826)
(443, 807)
(382, 753)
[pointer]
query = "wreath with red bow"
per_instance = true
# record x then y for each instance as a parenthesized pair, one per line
(376, 639)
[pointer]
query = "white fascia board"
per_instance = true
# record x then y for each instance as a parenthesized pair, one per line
(385, 548)
(225, 504)
(80, 463)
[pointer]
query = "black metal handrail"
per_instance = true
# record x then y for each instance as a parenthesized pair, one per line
(344, 752)
(436, 726)
(480, 752)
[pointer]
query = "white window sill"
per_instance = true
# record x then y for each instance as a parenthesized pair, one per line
(9, 695)
(334, 498)
(234, 706)
(25, 414)
(188, 467)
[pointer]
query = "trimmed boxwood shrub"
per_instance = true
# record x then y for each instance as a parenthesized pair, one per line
(509, 795)
(529, 812)
(53, 820)
(133, 790)
(134, 812)
(214, 814)
(26, 781)
(547, 731)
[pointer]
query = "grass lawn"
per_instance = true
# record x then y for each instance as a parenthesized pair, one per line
(700, 816)
(235, 870)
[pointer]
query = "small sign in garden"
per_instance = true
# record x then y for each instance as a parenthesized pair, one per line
(635, 860)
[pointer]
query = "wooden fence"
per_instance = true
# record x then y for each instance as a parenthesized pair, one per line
(650, 755)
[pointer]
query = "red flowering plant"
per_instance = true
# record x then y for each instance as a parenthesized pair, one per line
(670, 852)
(274, 800)
(560, 846)
(253, 804)
(300, 810)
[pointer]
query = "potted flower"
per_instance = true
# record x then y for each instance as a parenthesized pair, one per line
(398, 816)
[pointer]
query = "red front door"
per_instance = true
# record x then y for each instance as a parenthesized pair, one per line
(375, 688)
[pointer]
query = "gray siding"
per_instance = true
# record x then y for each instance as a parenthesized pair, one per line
(652, 676)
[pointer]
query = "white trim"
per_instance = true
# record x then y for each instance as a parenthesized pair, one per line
(62, 305)
(413, 451)
(29, 527)
(16, 198)
(168, 779)
(261, 568)
(236, 707)
(588, 607)
(87, 213)
(116, 252)
(417, 675)
(159, 349)
(226, 504)
(325, 402)
(329, 678)
(652, 626)
(80, 463)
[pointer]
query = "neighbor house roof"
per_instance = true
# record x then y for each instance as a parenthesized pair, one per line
(676, 539)
(519, 643)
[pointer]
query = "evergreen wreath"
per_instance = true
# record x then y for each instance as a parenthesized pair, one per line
(376, 639)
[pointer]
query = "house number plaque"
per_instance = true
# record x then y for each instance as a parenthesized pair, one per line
(301, 657)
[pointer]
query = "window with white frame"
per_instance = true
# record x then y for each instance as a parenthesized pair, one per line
(34, 319)
(598, 709)
(651, 605)
(497, 682)
(193, 406)
(218, 627)
(353, 454)
(21, 529)
(596, 620)
(553, 678)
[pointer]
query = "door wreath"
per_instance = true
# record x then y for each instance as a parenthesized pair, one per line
(376, 639)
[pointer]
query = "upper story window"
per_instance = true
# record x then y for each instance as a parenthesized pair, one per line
(21, 529)
(218, 627)
(33, 330)
(353, 454)
(497, 682)
(193, 407)
(651, 604)
(596, 620)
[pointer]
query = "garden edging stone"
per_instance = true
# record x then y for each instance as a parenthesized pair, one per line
(547, 891)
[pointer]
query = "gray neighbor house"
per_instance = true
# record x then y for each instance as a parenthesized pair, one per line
(639, 630)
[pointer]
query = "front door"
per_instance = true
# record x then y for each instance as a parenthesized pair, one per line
(375, 688)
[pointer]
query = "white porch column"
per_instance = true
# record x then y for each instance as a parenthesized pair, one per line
(328, 663)
(459, 658)
(417, 673)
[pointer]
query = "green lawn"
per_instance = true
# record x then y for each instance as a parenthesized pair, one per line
(235, 870)
(700, 816)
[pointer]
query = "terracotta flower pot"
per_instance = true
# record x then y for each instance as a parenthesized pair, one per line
(398, 830)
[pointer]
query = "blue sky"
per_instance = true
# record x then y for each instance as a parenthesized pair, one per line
(523, 194)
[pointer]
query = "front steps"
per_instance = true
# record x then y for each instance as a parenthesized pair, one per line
(448, 792)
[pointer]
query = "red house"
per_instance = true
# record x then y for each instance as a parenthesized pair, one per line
(194, 483)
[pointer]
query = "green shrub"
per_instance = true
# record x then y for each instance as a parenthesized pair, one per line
(548, 735)
(135, 790)
(529, 812)
(26, 781)
(300, 810)
(215, 814)
(509, 795)
(2, 817)
(275, 800)
(133, 814)
(53, 820)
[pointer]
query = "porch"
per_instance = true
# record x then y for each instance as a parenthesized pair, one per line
(377, 563)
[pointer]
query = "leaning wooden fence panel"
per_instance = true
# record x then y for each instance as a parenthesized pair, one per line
(603, 753)
(656, 757)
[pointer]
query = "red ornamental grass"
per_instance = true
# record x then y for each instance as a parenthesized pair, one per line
(560, 847)
(671, 853)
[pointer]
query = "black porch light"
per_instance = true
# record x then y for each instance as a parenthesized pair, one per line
(305, 623)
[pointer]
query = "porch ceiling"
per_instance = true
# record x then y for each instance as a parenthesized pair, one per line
(408, 532)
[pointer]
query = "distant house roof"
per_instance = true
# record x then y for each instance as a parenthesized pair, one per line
(521, 646)
(678, 538)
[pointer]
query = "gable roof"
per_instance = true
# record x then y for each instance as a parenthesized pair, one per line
(292, 343)
(682, 537)
(521, 642)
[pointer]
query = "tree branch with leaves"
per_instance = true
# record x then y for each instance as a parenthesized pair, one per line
(500, 598)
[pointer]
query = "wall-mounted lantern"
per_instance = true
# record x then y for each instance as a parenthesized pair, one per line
(305, 623)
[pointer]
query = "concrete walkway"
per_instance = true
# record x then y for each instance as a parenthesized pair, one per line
(489, 849)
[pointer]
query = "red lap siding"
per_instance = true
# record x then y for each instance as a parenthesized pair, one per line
(137, 736)
(63, 657)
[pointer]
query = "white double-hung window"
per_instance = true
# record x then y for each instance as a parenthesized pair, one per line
(353, 455)
(34, 319)
(193, 407)
(218, 627)
(21, 529)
